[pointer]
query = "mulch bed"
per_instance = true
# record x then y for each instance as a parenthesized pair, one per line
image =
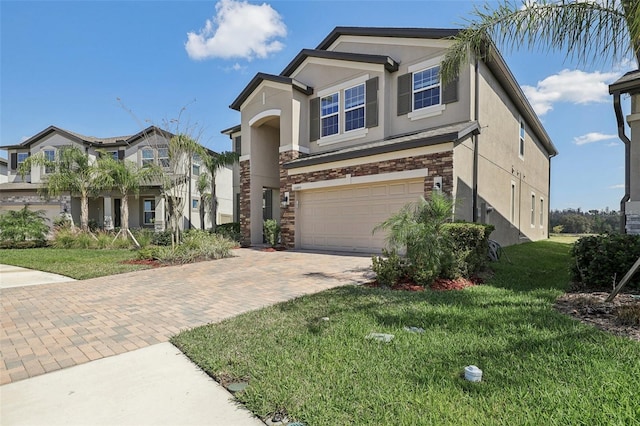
(441, 284)
(149, 262)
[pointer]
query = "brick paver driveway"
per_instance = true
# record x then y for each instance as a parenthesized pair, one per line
(53, 326)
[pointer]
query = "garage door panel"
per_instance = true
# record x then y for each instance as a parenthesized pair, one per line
(342, 218)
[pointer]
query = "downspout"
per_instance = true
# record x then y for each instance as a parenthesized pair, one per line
(627, 160)
(474, 201)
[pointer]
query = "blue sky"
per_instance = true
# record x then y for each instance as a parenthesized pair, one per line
(111, 68)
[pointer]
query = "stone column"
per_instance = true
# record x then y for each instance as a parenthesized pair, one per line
(245, 202)
(287, 211)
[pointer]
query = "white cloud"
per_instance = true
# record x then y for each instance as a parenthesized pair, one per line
(619, 186)
(592, 137)
(577, 87)
(613, 144)
(239, 30)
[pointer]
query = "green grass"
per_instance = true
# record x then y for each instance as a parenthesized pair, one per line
(75, 263)
(540, 367)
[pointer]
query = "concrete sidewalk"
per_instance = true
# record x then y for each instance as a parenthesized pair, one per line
(15, 276)
(156, 385)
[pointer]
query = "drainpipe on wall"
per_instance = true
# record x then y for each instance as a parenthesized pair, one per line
(474, 199)
(627, 155)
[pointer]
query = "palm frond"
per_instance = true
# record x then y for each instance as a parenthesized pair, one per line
(588, 31)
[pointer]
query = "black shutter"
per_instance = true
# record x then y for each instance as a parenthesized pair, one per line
(14, 160)
(404, 94)
(314, 119)
(98, 154)
(371, 96)
(450, 92)
(238, 143)
(121, 154)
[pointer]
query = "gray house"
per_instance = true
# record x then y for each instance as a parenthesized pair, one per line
(352, 130)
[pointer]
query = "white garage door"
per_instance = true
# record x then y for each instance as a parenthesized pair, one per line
(342, 218)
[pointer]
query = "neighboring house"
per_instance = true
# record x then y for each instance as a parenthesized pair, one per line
(3, 170)
(147, 210)
(354, 129)
(630, 203)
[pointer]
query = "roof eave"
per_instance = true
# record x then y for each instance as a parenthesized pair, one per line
(259, 78)
(434, 33)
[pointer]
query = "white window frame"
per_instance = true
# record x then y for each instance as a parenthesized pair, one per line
(354, 108)
(522, 135)
(332, 114)
(195, 165)
(343, 136)
(541, 215)
(163, 158)
(195, 204)
(19, 162)
(143, 159)
(512, 208)
(432, 110)
(49, 169)
(533, 210)
(145, 211)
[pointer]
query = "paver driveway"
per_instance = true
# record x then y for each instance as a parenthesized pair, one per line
(49, 327)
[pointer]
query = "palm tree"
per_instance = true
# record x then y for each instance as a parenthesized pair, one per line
(72, 172)
(213, 163)
(182, 149)
(126, 177)
(203, 187)
(588, 31)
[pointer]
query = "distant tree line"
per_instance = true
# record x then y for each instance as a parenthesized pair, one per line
(577, 221)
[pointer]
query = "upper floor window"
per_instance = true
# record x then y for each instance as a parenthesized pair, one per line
(345, 111)
(521, 139)
(354, 108)
(147, 156)
(50, 157)
(195, 165)
(329, 106)
(163, 157)
(426, 88)
(238, 145)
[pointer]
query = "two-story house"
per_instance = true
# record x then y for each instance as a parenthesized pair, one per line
(350, 131)
(148, 209)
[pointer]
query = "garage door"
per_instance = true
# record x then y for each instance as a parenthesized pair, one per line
(342, 218)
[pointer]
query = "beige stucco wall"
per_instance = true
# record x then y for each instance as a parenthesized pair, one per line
(463, 179)
(499, 165)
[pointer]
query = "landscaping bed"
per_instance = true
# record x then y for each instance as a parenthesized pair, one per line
(310, 358)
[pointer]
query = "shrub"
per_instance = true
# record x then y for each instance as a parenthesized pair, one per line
(271, 232)
(63, 238)
(103, 239)
(389, 267)
(161, 238)
(597, 260)
(196, 245)
(469, 249)
(84, 240)
(23, 225)
(628, 314)
(230, 230)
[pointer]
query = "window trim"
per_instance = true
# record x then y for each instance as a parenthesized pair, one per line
(512, 207)
(533, 210)
(145, 211)
(431, 110)
(522, 135)
(363, 105)
(541, 214)
(195, 201)
(343, 136)
(143, 159)
(18, 162)
(48, 170)
(336, 114)
(162, 148)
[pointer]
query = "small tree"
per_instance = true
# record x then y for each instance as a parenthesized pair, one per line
(126, 177)
(72, 172)
(213, 163)
(416, 230)
(203, 188)
(23, 225)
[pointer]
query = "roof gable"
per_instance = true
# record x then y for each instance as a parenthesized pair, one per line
(389, 63)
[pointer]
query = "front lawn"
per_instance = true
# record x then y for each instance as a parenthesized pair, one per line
(540, 367)
(75, 263)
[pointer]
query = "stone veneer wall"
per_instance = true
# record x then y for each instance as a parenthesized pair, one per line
(439, 164)
(17, 199)
(245, 203)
